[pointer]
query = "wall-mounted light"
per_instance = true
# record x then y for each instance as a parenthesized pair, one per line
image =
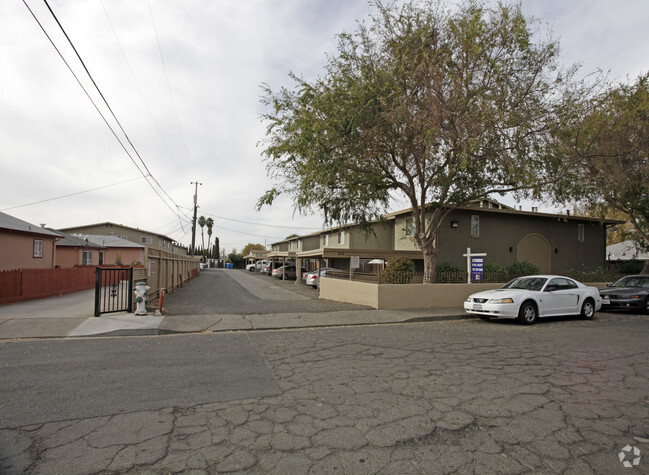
(511, 249)
(455, 224)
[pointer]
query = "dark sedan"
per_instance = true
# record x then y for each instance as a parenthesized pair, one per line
(628, 293)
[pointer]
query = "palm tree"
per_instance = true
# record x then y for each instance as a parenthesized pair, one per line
(209, 222)
(201, 223)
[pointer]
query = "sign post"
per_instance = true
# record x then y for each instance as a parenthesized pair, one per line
(474, 265)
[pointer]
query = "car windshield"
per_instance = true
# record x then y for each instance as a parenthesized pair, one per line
(526, 283)
(632, 281)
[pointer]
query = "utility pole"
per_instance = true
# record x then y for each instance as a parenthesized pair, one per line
(194, 221)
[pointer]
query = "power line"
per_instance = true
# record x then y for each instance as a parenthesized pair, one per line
(148, 174)
(72, 194)
(128, 139)
(173, 101)
(279, 226)
(146, 104)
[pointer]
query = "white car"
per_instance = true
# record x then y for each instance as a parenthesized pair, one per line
(530, 297)
(312, 279)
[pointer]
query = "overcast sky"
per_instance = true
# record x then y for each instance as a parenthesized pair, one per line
(183, 79)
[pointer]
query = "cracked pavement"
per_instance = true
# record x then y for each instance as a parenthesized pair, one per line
(564, 396)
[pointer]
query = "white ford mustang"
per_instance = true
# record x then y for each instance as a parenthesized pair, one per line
(530, 297)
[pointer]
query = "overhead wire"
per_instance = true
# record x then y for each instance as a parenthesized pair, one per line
(72, 194)
(279, 226)
(173, 101)
(146, 104)
(148, 173)
(128, 139)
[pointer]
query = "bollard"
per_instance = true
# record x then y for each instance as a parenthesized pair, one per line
(162, 297)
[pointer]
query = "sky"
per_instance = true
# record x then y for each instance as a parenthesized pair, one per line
(183, 78)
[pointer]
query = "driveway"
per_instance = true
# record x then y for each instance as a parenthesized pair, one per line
(233, 291)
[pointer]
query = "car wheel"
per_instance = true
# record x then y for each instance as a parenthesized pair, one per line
(588, 309)
(528, 313)
(646, 306)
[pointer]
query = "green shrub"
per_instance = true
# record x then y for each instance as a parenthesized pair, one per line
(630, 267)
(447, 272)
(495, 273)
(523, 268)
(490, 268)
(446, 267)
(398, 270)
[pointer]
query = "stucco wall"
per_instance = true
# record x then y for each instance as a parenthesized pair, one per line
(501, 233)
(67, 256)
(395, 296)
(381, 239)
(17, 251)
(398, 296)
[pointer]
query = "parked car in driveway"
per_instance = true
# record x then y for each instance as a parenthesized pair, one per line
(289, 273)
(628, 293)
(268, 267)
(530, 297)
(312, 277)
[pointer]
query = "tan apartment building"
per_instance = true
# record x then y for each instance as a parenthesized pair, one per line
(557, 243)
(148, 239)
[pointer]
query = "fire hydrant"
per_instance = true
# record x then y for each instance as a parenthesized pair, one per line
(140, 290)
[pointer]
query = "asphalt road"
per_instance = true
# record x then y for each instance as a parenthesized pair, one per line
(221, 291)
(54, 380)
(466, 396)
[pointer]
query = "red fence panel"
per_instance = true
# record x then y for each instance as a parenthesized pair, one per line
(27, 284)
(10, 283)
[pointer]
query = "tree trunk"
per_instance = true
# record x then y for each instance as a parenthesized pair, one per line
(430, 263)
(645, 269)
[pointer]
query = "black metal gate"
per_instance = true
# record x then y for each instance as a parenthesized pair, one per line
(113, 290)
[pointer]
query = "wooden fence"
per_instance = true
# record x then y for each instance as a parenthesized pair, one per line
(27, 284)
(166, 271)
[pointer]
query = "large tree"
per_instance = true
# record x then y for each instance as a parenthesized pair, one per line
(209, 223)
(611, 145)
(201, 223)
(440, 108)
(250, 247)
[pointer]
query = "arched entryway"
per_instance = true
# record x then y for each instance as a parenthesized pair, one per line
(535, 249)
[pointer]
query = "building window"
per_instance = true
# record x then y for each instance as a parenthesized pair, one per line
(299, 244)
(325, 240)
(580, 232)
(101, 258)
(410, 226)
(38, 248)
(146, 240)
(290, 246)
(475, 226)
(86, 258)
(123, 237)
(341, 237)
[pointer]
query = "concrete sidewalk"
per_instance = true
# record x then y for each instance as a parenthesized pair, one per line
(71, 316)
